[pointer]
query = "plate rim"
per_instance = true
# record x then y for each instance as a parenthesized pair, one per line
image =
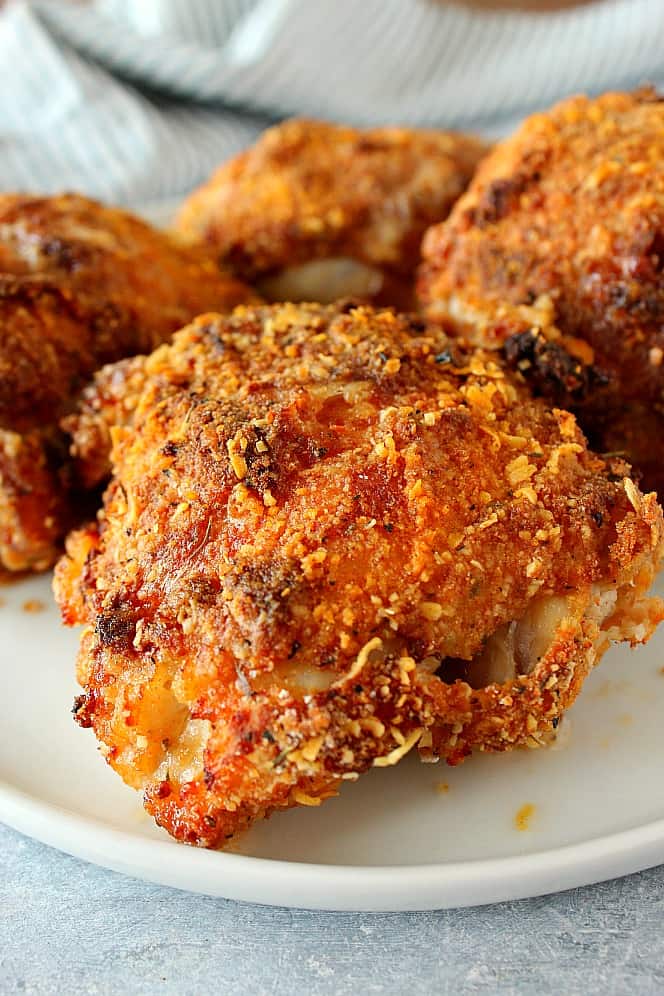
(328, 887)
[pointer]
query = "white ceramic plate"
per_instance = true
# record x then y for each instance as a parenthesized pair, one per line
(413, 837)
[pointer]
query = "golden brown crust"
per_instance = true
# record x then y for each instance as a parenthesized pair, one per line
(107, 400)
(80, 285)
(526, 711)
(310, 190)
(568, 214)
(314, 511)
(32, 508)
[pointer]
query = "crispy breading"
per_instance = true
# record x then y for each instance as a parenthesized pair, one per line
(325, 526)
(80, 285)
(107, 400)
(559, 242)
(310, 191)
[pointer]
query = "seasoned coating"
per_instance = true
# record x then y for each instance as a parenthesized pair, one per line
(557, 249)
(80, 285)
(309, 192)
(332, 535)
(108, 400)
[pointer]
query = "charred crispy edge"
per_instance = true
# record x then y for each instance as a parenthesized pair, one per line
(550, 370)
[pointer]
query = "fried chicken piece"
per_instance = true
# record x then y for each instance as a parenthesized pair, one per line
(557, 249)
(333, 535)
(80, 285)
(317, 212)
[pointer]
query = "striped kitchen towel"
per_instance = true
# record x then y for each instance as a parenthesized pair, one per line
(138, 100)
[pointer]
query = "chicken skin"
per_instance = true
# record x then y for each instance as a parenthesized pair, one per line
(333, 535)
(316, 212)
(556, 254)
(80, 285)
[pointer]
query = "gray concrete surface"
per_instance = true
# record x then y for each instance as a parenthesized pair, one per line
(67, 928)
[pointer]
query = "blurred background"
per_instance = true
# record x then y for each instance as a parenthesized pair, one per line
(136, 101)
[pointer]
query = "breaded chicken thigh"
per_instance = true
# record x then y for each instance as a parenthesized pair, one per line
(316, 212)
(556, 255)
(333, 535)
(80, 285)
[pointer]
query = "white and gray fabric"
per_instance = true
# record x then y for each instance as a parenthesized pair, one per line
(138, 100)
